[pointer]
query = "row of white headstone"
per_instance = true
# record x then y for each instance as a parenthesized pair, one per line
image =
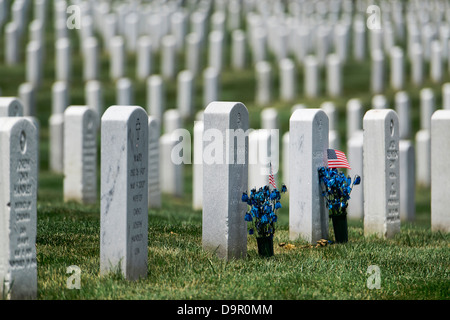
(126, 169)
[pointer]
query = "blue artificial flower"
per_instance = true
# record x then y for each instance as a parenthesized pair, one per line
(244, 197)
(250, 231)
(357, 180)
(283, 188)
(264, 219)
(275, 218)
(277, 205)
(248, 217)
(273, 195)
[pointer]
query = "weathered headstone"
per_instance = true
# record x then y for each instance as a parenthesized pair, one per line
(154, 181)
(381, 173)
(94, 96)
(354, 116)
(446, 96)
(308, 144)
(225, 174)
(440, 171)
(18, 196)
(124, 192)
(80, 154)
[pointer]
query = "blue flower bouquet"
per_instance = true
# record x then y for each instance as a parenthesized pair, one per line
(263, 205)
(336, 189)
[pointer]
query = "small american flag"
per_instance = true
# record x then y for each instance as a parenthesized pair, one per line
(271, 178)
(337, 159)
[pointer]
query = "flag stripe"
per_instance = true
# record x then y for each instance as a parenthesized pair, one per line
(271, 178)
(337, 159)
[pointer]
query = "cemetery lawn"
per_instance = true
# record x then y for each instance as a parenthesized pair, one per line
(414, 265)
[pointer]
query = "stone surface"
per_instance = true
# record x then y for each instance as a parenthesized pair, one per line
(308, 144)
(288, 83)
(311, 77)
(27, 96)
(354, 116)
(185, 93)
(154, 181)
(381, 173)
(211, 85)
(10, 107)
(18, 216)
(197, 168)
(263, 83)
(80, 154)
(156, 96)
(440, 171)
(407, 165)
(377, 72)
(334, 75)
(355, 209)
(124, 192)
(403, 109)
(225, 177)
(56, 130)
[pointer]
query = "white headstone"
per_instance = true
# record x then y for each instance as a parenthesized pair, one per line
(225, 174)
(185, 93)
(308, 144)
(28, 97)
(10, 107)
(417, 64)
(397, 68)
(334, 75)
(156, 96)
(18, 164)
(381, 173)
(154, 182)
(354, 116)
(90, 59)
(168, 57)
(193, 53)
(63, 58)
(80, 154)
(125, 92)
(33, 64)
(238, 50)
(311, 77)
(124, 192)
(94, 96)
(263, 83)
(144, 58)
(359, 40)
(216, 50)
(440, 146)
(210, 85)
(355, 209)
(446, 96)
(377, 72)
(288, 83)
(197, 168)
(407, 180)
(12, 39)
(117, 58)
(403, 109)
(436, 64)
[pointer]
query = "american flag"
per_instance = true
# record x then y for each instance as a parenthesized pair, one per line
(271, 178)
(337, 159)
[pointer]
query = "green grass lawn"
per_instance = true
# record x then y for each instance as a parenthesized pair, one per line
(414, 265)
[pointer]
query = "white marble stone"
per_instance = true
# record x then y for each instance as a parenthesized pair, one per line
(264, 83)
(377, 72)
(185, 93)
(144, 58)
(446, 96)
(193, 53)
(80, 154)
(63, 60)
(311, 77)
(216, 50)
(225, 174)
(168, 57)
(334, 75)
(117, 65)
(11, 107)
(407, 165)
(440, 173)
(197, 168)
(156, 96)
(211, 85)
(93, 92)
(27, 95)
(403, 109)
(354, 114)
(423, 157)
(288, 83)
(355, 209)
(124, 192)
(91, 66)
(238, 49)
(397, 72)
(381, 173)
(125, 92)
(154, 181)
(19, 146)
(308, 144)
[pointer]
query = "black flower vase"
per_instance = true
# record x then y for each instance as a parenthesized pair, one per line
(340, 228)
(265, 246)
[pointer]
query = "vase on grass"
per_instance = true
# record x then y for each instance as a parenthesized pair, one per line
(340, 228)
(265, 246)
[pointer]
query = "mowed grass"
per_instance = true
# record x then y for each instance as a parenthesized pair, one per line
(413, 265)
